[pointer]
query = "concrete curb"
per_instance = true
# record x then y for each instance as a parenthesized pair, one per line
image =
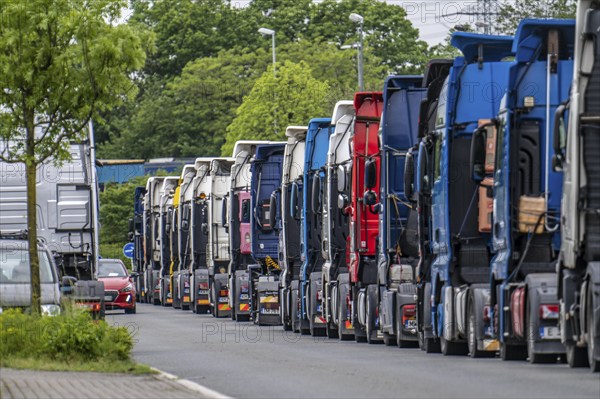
(191, 385)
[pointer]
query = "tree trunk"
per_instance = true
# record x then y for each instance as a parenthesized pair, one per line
(34, 260)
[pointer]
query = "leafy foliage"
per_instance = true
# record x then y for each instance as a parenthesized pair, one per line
(291, 98)
(71, 337)
(209, 55)
(62, 62)
(511, 13)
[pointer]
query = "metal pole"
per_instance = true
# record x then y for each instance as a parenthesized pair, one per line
(361, 85)
(274, 59)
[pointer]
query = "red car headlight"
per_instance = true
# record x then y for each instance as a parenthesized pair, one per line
(127, 288)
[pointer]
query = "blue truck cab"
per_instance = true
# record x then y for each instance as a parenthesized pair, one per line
(265, 223)
(315, 159)
(459, 236)
(527, 193)
(398, 243)
(419, 162)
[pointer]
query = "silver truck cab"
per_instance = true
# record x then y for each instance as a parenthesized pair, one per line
(15, 275)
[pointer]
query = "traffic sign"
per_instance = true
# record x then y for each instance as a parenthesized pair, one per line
(128, 250)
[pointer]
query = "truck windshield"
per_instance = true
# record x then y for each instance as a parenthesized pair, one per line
(111, 269)
(15, 267)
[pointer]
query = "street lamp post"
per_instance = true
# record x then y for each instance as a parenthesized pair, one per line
(270, 32)
(359, 20)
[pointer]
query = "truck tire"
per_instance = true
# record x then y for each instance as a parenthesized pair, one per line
(472, 335)
(512, 352)
(294, 311)
(450, 348)
(341, 312)
(130, 311)
(591, 336)
(576, 357)
(432, 345)
(360, 335)
(371, 311)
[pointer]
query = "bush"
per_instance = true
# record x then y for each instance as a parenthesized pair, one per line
(70, 337)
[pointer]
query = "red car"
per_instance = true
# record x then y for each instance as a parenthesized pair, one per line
(119, 287)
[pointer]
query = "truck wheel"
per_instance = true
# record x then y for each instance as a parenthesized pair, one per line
(472, 335)
(535, 358)
(450, 348)
(576, 357)
(512, 352)
(371, 311)
(360, 335)
(155, 301)
(341, 312)
(432, 345)
(294, 311)
(591, 339)
(130, 311)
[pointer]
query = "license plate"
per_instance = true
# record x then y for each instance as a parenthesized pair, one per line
(108, 298)
(269, 311)
(244, 297)
(223, 299)
(410, 324)
(203, 292)
(550, 332)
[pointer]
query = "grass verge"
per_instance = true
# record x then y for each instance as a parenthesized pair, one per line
(120, 366)
(71, 341)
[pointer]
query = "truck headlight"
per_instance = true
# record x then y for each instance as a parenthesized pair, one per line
(50, 310)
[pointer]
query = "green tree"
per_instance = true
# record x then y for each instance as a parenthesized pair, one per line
(190, 29)
(61, 63)
(510, 14)
(189, 116)
(291, 98)
(388, 33)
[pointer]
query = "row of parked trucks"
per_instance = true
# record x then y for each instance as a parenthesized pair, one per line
(457, 211)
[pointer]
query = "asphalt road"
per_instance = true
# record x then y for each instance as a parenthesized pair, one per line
(243, 360)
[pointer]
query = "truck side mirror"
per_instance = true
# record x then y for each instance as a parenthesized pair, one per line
(342, 202)
(294, 191)
(423, 180)
(130, 224)
(370, 198)
(409, 175)
(423, 108)
(341, 179)
(316, 193)
(273, 209)
(478, 155)
(559, 137)
(224, 212)
(370, 174)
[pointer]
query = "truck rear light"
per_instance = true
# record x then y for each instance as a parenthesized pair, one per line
(224, 293)
(247, 237)
(203, 285)
(486, 314)
(408, 313)
(549, 312)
